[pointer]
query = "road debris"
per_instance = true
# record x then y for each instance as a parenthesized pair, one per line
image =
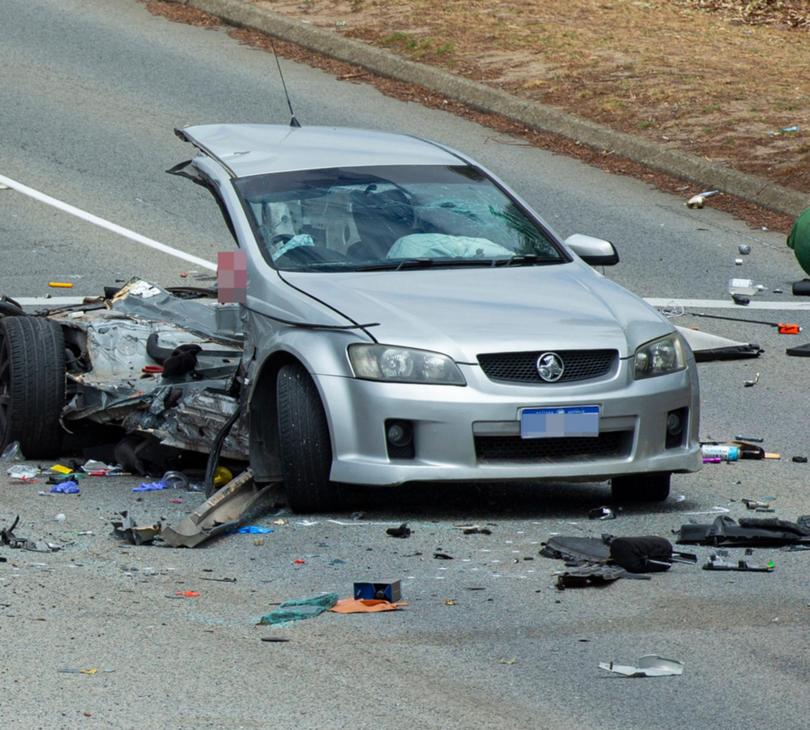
(719, 561)
(699, 200)
(222, 512)
(365, 605)
(601, 513)
(7, 537)
(749, 532)
(65, 487)
(650, 665)
(402, 531)
(300, 609)
(127, 529)
(389, 591)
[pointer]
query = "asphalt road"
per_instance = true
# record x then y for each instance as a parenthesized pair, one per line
(90, 93)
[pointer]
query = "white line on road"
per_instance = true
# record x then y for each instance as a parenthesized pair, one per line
(102, 223)
(788, 306)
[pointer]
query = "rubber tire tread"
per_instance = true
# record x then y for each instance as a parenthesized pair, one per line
(36, 349)
(304, 444)
(653, 487)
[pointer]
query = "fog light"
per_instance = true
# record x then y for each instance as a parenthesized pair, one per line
(399, 434)
(676, 427)
(399, 437)
(674, 424)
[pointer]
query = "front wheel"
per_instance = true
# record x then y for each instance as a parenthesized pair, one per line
(32, 385)
(641, 487)
(304, 444)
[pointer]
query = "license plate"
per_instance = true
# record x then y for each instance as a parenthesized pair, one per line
(543, 423)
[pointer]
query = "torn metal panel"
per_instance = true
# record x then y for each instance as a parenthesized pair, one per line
(107, 381)
(221, 512)
(197, 417)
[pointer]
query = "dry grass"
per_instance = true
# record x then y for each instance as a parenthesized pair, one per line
(717, 78)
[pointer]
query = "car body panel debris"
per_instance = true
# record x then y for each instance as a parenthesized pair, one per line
(650, 665)
(223, 511)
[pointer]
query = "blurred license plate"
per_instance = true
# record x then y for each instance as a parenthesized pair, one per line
(539, 423)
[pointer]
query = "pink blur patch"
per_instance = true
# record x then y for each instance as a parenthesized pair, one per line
(231, 277)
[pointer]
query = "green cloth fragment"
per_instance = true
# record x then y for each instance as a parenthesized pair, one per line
(799, 239)
(299, 609)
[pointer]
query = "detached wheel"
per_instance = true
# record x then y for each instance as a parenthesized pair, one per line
(304, 444)
(32, 385)
(641, 487)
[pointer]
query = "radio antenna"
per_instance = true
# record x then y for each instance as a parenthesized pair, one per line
(293, 121)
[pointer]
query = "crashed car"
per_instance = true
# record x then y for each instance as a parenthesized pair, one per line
(406, 318)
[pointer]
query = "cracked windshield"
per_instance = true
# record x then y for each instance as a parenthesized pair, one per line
(375, 218)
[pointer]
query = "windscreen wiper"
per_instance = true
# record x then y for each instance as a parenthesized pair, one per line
(423, 263)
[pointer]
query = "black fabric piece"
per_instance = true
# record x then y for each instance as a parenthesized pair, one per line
(750, 532)
(182, 361)
(649, 554)
(576, 549)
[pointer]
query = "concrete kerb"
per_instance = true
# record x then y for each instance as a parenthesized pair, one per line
(494, 101)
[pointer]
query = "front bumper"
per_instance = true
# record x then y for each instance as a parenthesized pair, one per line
(455, 429)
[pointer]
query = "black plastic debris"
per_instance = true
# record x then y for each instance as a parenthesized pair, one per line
(601, 513)
(577, 550)
(476, 531)
(799, 350)
(7, 537)
(402, 531)
(589, 575)
(442, 556)
(799, 459)
(749, 532)
(720, 561)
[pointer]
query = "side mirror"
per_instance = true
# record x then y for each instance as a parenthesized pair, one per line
(593, 251)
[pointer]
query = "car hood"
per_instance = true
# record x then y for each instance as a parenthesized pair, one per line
(467, 311)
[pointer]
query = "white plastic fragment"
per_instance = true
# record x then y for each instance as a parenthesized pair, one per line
(650, 665)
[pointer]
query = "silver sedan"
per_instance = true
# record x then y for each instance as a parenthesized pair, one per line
(408, 317)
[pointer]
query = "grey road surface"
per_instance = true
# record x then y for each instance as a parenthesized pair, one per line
(90, 92)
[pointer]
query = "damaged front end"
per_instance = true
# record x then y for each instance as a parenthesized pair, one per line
(161, 363)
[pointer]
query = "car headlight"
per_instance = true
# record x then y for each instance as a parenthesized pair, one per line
(403, 365)
(659, 357)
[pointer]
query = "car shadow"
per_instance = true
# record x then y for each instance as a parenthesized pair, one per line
(501, 500)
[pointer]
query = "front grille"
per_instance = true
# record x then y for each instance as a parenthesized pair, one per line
(608, 445)
(521, 367)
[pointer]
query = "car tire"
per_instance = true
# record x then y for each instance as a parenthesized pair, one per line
(304, 443)
(641, 487)
(32, 385)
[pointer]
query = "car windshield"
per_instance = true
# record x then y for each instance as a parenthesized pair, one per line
(400, 217)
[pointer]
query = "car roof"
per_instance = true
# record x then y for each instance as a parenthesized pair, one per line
(255, 149)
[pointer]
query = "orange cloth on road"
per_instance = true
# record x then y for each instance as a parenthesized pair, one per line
(364, 605)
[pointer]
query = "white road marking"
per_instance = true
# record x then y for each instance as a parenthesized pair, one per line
(47, 301)
(786, 306)
(102, 223)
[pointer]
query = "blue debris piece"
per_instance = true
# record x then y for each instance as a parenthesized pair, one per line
(150, 487)
(254, 530)
(66, 487)
(301, 608)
